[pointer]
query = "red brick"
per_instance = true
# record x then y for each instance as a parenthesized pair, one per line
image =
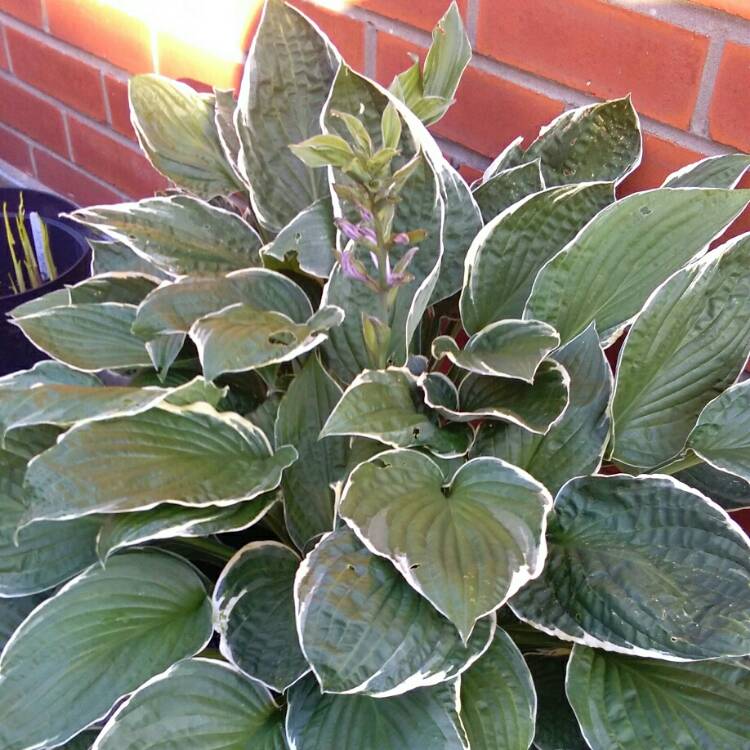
(347, 34)
(739, 8)
(15, 150)
(117, 96)
(32, 115)
(489, 112)
(113, 161)
(62, 177)
(423, 14)
(603, 50)
(660, 159)
(29, 11)
(3, 57)
(63, 76)
(107, 32)
(469, 173)
(728, 120)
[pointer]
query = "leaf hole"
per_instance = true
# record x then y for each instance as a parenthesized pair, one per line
(415, 566)
(349, 566)
(446, 490)
(646, 211)
(415, 433)
(297, 236)
(282, 338)
(381, 464)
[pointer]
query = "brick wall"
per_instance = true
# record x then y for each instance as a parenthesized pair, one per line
(64, 66)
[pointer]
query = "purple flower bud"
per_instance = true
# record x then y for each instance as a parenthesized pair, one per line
(369, 235)
(350, 231)
(399, 275)
(365, 214)
(402, 238)
(351, 268)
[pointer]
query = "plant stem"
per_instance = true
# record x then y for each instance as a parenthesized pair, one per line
(680, 464)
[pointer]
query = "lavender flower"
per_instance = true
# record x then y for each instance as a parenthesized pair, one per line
(402, 238)
(352, 268)
(349, 230)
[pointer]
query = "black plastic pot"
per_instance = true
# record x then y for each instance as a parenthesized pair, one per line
(72, 257)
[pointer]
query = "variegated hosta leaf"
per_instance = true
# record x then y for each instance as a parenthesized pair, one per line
(190, 455)
(507, 254)
(575, 445)
(424, 718)
(365, 630)
(176, 130)
(48, 372)
(658, 704)
(287, 79)
(41, 556)
(726, 490)
(254, 603)
(198, 704)
(556, 724)
(507, 348)
(536, 406)
(504, 189)
(597, 142)
(384, 405)
(57, 298)
(179, 234)
(722, 435)
(304, 409)
(83, 741)
(173, 308)
(127, 287)
(27, 442)
(167, 521)
(509, 158)
(723, 171)
(164, 350)
(224, 108)
(498, 703)
(307, 242)
(102, 636)
(13, 612)
(606, 274)
(65, 405)
(108, 256)
(241, 337)
(89, 337)
(645, 566)
(689, 343)
(443, 533)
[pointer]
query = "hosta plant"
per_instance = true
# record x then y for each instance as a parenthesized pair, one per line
(330, 454)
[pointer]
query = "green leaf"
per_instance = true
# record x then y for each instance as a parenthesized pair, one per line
(556, 724)
(128, 287)
(90, 337)
(506, 348)
(441, 536)
(498, 703)
(365, 630)
(658, 704)
(723, 171)
(720, 436)
(384, 405)
(48, 372)
(536, 407)
(57, 298)
(13, 612)
(575, 445)
(308, 497)
(27, 442)
(192, 456)
(504, 189)
(198, 704)
(102, 636)
(82, 741)
(726, 490)
(307, 242)
(609, 270)
(178, 234)
(510, 157)
(167, 521)
(418, 719)
(645, 566)
(254, 602)
(596, 142)
(110, 256)
(224, 107)
(164, 350)
(324, 150)
(241, 337)
(288, 75)
(176, 130)
(506, 256)
(689, 343)
(173, 308)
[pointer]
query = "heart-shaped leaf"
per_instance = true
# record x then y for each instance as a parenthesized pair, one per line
(723, 171)
(507, 348)
(689, 343)
(621, 573)
(179, 234)
(505, 188)
(103, 635)
(127, 287)
(659, 704)
(607, 272)
(506, 256)
(498, 703)
(254, 602)
(198, 704)
(443, 537)
(189, 455)
(365, 630)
